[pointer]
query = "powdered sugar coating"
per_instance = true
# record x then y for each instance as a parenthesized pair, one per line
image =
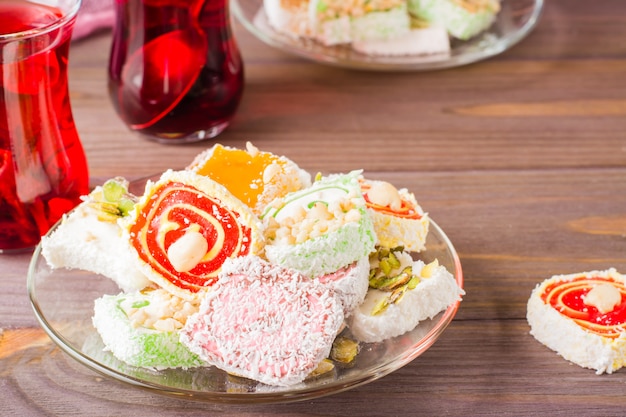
(431, 296)
(264, 322)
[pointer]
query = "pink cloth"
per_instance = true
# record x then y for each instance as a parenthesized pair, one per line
(94, 15)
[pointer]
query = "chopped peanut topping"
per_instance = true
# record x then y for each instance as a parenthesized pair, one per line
(476, 6)
(158, 310)
(321, 218)
(333, 9)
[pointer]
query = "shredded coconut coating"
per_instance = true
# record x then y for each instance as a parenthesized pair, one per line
(137, 344)
(567, 338)
(350, 284)
(264, 322)
(84, 242)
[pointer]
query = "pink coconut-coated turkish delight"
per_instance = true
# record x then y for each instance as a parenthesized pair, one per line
(265, 322)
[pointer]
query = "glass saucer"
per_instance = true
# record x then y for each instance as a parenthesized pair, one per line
(516, 19)
(63, 302)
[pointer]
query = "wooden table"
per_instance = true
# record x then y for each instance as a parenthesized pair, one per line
(521, 159)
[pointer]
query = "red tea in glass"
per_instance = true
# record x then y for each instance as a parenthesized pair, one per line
(175, 71)
(43, 170)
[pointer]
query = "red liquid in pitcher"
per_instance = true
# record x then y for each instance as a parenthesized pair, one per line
(175, 70)
(43, 170)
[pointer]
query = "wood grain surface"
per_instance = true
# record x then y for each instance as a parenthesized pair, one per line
(521, 159)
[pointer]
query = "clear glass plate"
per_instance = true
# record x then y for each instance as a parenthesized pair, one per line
(516, 19)
(63, 303)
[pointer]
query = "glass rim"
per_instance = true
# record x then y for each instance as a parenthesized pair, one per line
(67, 16)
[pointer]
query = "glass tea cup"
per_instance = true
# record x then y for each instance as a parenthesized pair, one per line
(175, 70)
(43, 169)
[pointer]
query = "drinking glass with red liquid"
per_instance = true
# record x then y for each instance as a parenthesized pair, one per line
(43, 170)
(175, 71)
